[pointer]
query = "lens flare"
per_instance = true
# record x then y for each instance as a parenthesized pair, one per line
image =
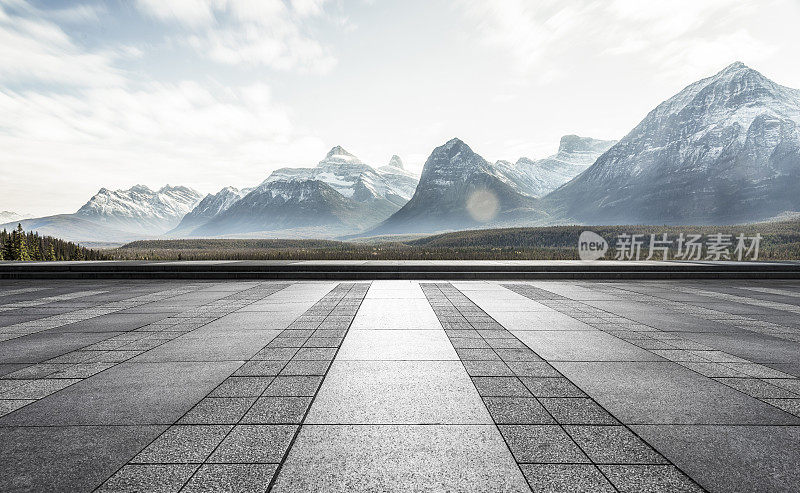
(482, 205)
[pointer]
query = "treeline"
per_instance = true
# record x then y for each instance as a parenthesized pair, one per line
(780, 241)
(20, 245)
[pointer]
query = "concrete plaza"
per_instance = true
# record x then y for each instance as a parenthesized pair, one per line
(293, 386)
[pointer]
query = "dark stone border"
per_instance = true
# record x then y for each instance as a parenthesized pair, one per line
(371, 270)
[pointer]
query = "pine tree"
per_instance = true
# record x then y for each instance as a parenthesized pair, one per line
(51, 253)
(21, 248)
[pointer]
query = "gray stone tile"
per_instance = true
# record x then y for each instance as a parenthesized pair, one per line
(278, 410)
(254, 444)
(500, 387)
(577, 410)
(397, 392)
(656, 479)
(731, 458)
(547, 444)
(298, 386)
(758, 388)
(267, 368)
(130, 393)
(558, 345)
(468, 458)
(566, 478)
(306, 367)
(487, 368)
(791, 406)
(517, 410)
(70, 458)
(136, 478)
(233, 478)
(242, 387)
(218, 410)
(551, 387)
(183, 444)
(654, 392)
(532, 369)
(613, 445)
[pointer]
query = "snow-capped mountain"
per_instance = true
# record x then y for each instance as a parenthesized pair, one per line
(139, 209)
(9, 216)
(341, 194)
(539, 177)
(352, 178)
(211, 206)
(725, 149)
(401, 181)
(459, 189)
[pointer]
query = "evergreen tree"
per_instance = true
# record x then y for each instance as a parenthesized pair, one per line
(20, 247)
(51, 253)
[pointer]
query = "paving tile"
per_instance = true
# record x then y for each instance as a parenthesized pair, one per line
(517, 410)
(551, 387)
(136, 478)
(664, 392)
(282, 410)
(758, 388)
(656, 479)
(300, 386)
(532, 369)
(306, 367)
(261, 368)
(487, 368)
(397, 345)
(183, 444)
(791, 406)
(254, 444)
(37, 389)
(233, 478)
(9, 405)
(566, 478)
(559, 345)
(572, 410)
(477, 355)
(127, 394)
(343, 458)
(500, 387)
(731, 457)
(398, 392)
(242, 387)
(541, 444)
(218, 410)
(613, 445)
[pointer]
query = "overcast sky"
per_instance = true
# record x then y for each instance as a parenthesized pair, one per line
(209, 93)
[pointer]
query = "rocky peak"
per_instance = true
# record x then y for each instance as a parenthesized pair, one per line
(396, 162)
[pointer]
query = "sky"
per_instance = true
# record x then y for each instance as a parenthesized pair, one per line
(212, 93)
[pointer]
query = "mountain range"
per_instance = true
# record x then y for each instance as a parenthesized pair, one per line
(725, 149)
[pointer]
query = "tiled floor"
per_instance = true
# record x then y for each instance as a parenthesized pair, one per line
(399, 386)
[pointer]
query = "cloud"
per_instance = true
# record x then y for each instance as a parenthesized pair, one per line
(33, 49)
(679, 37)
(72, 121)
(268, 33)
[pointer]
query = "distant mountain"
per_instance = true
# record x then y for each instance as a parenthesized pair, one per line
(140, 210)
(537, 178)
(211, 206)
(459, 189)
(70, 227)
(354, 179)
(725, 149)
(9, 216)
(340, 195)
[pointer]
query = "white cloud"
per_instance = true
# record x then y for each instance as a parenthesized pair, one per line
(36, 50)
(70, 122)
(678, 38)
(267, 33)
